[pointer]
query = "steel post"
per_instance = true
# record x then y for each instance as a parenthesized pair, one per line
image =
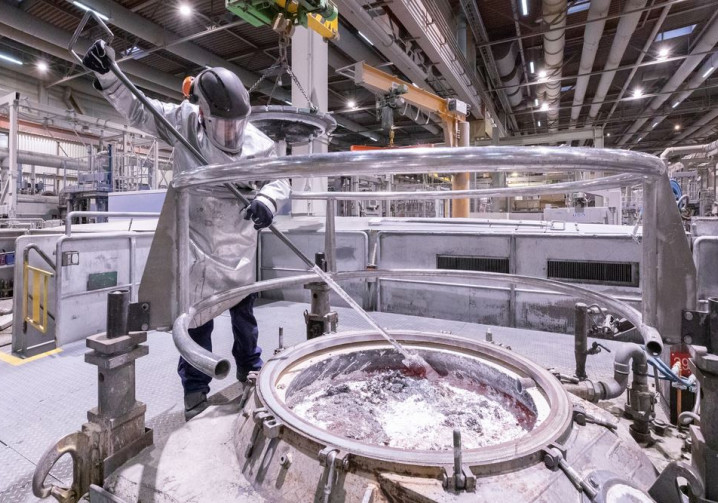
(118, 309)
(581, 327)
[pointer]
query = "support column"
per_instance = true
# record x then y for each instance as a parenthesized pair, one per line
(154, 178)
(309, 64)
(11, 180)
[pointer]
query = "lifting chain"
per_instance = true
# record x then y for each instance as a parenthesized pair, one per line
(281, 65)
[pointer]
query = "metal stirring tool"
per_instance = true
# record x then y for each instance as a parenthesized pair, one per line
(411, 360)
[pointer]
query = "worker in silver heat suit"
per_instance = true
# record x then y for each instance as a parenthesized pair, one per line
(214, 118)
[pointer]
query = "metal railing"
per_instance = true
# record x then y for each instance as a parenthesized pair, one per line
(622, 168)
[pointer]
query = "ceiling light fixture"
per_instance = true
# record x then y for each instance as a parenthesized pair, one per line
(654, 125)
(608, 134)
(708, 72)
(544, 107)
(42, 66)
(531, 67)
(86, 8)
(525, 7)
(351, 104)
(677, 127)
(185, 10)
(10, 59)
(637, 93)
(675, 104)
(536, 103)
(539, 123)
(542, 74)
(663, 53)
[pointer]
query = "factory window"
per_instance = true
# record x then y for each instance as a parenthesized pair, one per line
(468, 263)
(578, 6)
(601, 273)
(678, 32)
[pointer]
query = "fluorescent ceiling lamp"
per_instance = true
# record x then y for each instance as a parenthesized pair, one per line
(654, 125)
(365, 38)
(708, 72)
(525, 7)
(579, 6)
(678, 32)
(85, 7)
(675, 105)
(536, 102)
(10, 59)
(544, 107)
(531, 67)
(566, 88)
(639, 139)
(373, 139)
(539, 123)
(287, 102)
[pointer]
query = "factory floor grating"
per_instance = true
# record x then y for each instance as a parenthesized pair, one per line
(45, 399)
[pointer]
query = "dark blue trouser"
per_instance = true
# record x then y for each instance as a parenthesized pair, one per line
(245, 350)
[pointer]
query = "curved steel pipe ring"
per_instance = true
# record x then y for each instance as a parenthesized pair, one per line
(218, 367)
(437, 160)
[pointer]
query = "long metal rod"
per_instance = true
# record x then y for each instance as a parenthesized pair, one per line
(182, 294)
(131, 214)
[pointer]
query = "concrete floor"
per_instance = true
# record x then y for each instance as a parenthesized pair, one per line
(45, 399)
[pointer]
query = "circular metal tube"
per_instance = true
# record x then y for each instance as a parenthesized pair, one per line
(215, 366)
(503, 159)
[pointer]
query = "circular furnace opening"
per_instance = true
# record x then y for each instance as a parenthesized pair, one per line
(369, 396)
(350, 391)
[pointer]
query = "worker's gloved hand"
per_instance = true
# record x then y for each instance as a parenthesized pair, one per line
(99, 57)
(260, 214)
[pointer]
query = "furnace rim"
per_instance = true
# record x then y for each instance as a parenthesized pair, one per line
(497, 458)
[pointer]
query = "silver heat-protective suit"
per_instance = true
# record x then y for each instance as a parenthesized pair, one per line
(222, 243)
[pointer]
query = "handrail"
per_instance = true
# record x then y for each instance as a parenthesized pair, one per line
(505, 159)
(622, 168)
(218, 367)
(133, 214)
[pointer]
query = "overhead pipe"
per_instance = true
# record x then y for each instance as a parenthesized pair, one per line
(651, 38)
(705, 120)
(624, 31)
(591, 39)
(554, 15)
(707, 41)
(705, 71)
(31, 31)
(47, 160)
(510, 73)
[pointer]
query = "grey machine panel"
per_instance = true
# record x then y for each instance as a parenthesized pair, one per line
(278, 261)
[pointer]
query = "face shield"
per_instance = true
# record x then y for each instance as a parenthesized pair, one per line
(226, 134)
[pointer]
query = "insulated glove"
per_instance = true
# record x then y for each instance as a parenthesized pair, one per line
(99, 57)
(260, 214)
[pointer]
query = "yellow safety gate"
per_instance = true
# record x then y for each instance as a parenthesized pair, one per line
(38, 295)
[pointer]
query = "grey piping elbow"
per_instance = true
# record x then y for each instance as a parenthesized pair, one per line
(205, 361)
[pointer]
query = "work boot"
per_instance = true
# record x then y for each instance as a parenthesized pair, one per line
(242, 373)
(194, 404)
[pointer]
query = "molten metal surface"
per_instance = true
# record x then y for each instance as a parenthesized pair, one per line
(398, 409)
